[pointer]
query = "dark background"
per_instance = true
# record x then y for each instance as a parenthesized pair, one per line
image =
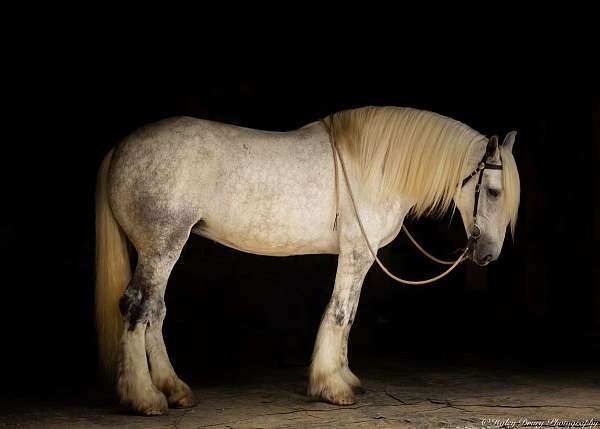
(537, 306)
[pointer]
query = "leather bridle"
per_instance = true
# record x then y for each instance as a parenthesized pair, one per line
(481, 167)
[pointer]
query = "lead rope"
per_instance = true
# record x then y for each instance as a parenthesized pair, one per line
(337, 187)
(364, 234)
(423, 251)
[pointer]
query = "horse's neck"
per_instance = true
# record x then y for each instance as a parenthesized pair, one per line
(394, 211)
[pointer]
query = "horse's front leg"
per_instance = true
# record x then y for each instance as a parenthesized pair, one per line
(347, 374)
(330, 379)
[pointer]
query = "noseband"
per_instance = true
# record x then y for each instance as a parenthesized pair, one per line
(481, 167)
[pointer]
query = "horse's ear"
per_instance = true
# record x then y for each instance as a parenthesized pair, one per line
(509, 140)
(492, 147)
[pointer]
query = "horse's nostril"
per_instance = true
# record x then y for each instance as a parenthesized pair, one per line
(487, 258)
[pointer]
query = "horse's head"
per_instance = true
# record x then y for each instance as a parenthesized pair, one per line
(489, 199)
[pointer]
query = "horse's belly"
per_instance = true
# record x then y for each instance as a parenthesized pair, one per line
(283, 233)
(268, 249)
(269, 245)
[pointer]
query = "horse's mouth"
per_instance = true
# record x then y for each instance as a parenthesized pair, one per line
(482, 262)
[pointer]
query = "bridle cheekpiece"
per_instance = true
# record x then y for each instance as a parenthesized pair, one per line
(481, 167)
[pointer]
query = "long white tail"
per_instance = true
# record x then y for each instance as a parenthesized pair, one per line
(113, 273)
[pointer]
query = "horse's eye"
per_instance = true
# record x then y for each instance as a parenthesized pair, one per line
(493, 192)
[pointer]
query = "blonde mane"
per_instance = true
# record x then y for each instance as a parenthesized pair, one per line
(419, 154)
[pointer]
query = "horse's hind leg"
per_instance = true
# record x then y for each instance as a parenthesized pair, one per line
(143, 309)
(178, 393)
(137, 305)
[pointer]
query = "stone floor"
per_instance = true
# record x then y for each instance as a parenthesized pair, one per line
(396, 397)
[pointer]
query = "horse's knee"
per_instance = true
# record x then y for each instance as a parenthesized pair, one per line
(139, 306)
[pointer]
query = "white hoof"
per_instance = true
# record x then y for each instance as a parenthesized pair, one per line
(331, 388)
(352, 380)
(146, 400)
(181, 396)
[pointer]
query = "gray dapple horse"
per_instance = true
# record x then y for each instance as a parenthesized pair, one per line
(275, 193)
